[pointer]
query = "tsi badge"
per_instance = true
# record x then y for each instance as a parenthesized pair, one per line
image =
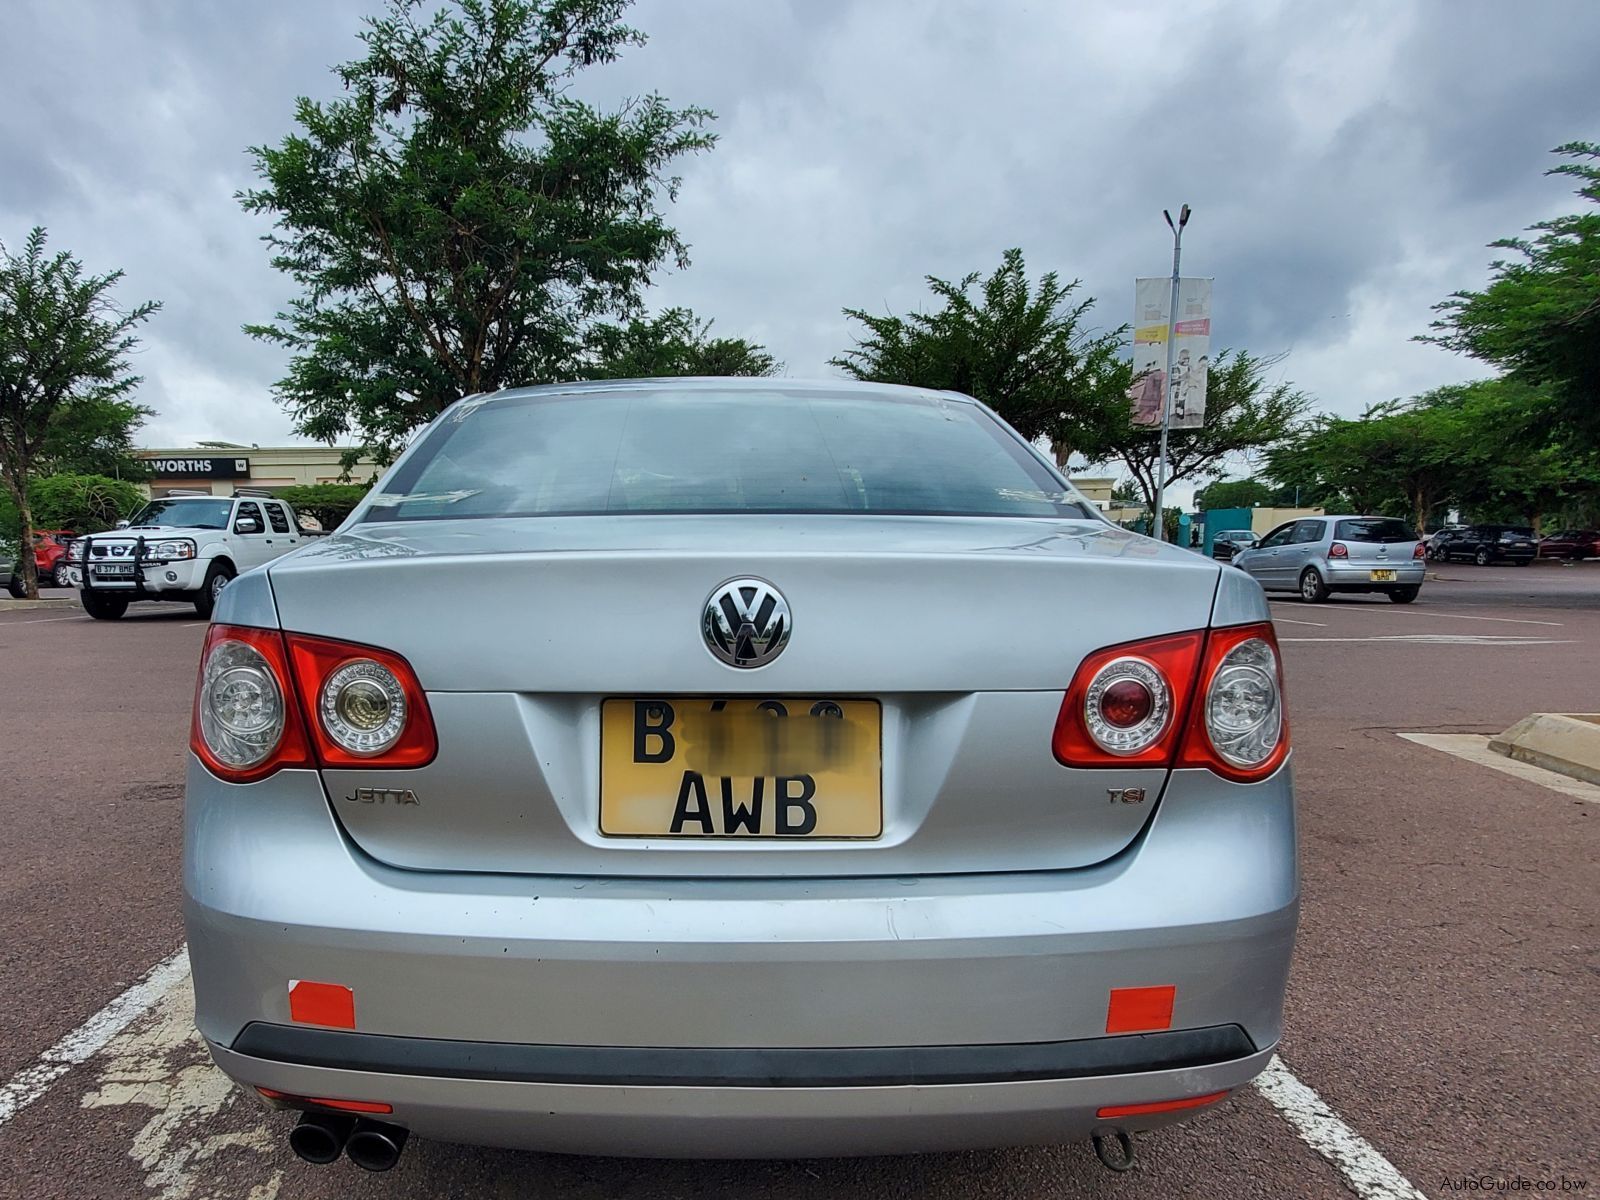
(384, 796)
(1124, 795)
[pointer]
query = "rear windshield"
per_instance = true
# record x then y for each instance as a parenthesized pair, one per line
(764, 449)
(1374, 529)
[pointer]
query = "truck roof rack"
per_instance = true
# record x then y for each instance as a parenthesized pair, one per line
(262, 493)
(185, 492)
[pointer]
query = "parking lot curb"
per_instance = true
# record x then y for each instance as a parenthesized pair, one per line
(9, 605)
(1568, 743)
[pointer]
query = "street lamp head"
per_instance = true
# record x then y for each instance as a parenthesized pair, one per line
(1183, 216)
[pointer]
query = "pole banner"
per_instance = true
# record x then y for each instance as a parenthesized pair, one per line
(1193, 358)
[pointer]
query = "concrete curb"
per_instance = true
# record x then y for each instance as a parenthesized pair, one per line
(9, 605)
(1568, 743)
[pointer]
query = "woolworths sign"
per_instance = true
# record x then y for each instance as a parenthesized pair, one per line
(198, 468)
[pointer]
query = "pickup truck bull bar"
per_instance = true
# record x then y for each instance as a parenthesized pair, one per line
(140, 592)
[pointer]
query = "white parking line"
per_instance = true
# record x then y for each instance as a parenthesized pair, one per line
(1369, 1174)
(1474, 747)
(1428, 612)
(28, 1084)
(1445, 639)
(1291, 621)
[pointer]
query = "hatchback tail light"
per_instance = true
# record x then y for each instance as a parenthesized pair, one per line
(266, 700)
(1419, 551)
(1338, 550)
(1211, 698)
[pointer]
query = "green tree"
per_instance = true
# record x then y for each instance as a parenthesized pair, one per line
(1539, 318)
(458, 220)
(1126, 493)
(675, 343)
(1246, 414)
(1233, 493)
(1024, 350)
(82, 503)
(64, 348)
(329, 503)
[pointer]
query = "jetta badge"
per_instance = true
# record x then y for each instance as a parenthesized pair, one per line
(746, 622)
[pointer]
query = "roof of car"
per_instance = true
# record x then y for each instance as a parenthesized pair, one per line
(720, 383)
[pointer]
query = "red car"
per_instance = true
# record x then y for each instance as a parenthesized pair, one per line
(50, 555)
(1571, 543)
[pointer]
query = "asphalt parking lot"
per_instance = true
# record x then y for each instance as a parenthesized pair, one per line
(1443, 1014)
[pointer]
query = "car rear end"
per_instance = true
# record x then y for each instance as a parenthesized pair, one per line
(1514, 544)
(1373, 554)
(985, 836)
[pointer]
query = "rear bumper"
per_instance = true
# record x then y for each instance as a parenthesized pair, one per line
(742, 1017)
(1347, 578)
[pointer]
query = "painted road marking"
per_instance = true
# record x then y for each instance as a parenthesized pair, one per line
(47, 620)
(1426, 612)
(1369, 1174)
(1289, 621)
(28, 1084)
(1474, 747)
(1445, 639)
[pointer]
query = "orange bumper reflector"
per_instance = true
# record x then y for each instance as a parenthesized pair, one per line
(322, 1004)
(1140, 1009)
(1159, 1106)
(356, 1106)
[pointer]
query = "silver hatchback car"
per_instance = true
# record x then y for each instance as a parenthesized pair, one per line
(1316, 556)
(737, 768)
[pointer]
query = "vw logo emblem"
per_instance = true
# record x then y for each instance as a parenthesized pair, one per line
(746, 622)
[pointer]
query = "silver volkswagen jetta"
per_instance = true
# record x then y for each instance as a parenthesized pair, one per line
(737, 768)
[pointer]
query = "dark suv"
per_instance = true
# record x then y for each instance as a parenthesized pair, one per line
(1485, 544)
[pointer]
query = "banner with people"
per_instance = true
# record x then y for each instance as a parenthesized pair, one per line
(1191, 362)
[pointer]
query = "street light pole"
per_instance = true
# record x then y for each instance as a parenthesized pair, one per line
(1158, 527)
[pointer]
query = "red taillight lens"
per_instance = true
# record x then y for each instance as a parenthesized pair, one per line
(364, 705)
(1338, 550)
(246, 721)
(1419, 551)
(1237, 727)
(1127, 704)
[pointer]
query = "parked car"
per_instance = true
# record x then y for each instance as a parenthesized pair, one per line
(1437, 539)
(1575, 544)
(10, 577)
(775, 795)
(50, 556)
(1319, 555)
(1230, 541)
(1486, 544)
(180, 547)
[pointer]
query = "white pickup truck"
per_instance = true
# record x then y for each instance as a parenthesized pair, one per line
(180, 548)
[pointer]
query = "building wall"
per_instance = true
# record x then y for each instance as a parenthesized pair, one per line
(269, 467)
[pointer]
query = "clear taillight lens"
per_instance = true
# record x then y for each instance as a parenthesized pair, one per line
(363, 707)
(240, 706)
(1243, 709)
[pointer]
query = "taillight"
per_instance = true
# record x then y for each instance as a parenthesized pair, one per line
(246, 720)
(365, 706)
(1127, 703)
(266, 700)
(1237, 727)
(1419, 551)
(1210, 699)
(1338, 550)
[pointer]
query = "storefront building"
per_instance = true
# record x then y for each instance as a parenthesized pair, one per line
(218, 468)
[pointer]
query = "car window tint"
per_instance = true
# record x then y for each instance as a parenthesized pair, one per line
(1306, 531)
(686, 451)
(280, 522)
(1374, 529)
(246, 511)
(1279, 536)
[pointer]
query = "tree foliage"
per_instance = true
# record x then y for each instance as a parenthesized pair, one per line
(1539, 318)
(82, 503)
(674, 343)
(458, 221)
(64, 347)
(1233, 493)
(1246, 414)
(329, 503)
(1024, 350)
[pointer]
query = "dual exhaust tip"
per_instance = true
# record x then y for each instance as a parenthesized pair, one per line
(320, 1137)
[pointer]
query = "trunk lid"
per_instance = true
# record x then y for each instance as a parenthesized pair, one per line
(965, 638)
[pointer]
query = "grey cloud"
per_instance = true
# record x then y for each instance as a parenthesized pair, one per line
(1347, 160)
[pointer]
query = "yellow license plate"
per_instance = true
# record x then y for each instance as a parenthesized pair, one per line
(1384, 577)
(786, 767)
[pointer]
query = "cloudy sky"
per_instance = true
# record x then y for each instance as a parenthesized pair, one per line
(1346, 163)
